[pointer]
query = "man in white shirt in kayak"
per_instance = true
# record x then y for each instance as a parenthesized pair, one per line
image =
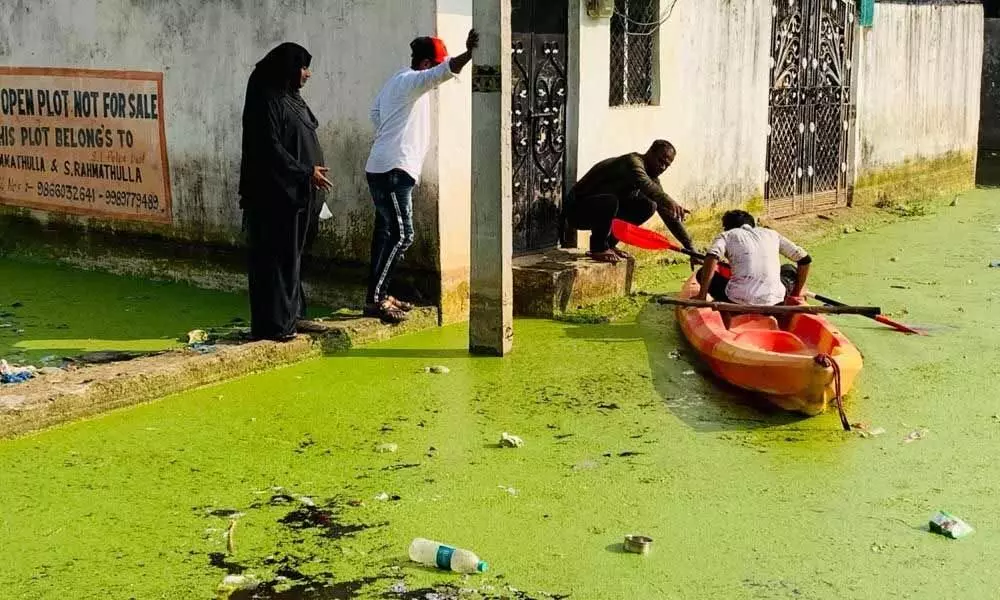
(401, 116)
(758, 277)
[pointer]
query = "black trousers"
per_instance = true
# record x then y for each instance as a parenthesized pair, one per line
(594, 214)
(276, 239)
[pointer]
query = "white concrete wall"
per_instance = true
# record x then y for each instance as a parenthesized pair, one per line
(919, 84)
(714, 70)
(454, 156)
(206, 51)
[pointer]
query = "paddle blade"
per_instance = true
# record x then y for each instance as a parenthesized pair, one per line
(633, 235)
(897, 325)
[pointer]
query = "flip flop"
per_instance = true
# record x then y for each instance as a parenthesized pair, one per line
(387, 312)
(401, 304)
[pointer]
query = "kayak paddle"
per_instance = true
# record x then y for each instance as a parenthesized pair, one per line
(880, 318)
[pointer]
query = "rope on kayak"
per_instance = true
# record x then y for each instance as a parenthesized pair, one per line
(827, 361)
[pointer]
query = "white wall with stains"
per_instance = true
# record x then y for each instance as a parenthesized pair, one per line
(713, 91)
(919, 84)
(206, 51)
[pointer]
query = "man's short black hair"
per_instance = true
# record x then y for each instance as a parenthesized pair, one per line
(662, 146)
(421, 49)
(735, 219)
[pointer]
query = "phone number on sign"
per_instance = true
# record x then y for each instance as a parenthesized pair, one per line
(65, 191)
(132, 200)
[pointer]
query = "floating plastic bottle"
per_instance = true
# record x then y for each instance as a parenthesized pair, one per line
(436, 554)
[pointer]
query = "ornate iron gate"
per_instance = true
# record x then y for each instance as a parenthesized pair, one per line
(539, 120)
(811, 110)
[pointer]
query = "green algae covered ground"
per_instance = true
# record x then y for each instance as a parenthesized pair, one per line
(50, 310)
(620, 438)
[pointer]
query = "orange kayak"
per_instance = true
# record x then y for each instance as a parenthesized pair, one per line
(755, 354)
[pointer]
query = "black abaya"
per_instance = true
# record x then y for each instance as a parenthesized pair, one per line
(280, 151)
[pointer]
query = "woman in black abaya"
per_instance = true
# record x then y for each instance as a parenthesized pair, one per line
(281, 175)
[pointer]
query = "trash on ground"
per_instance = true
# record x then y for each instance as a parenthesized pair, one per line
(398, 588)
(237, 583)
(916, 434)
(995, 264)
(510, 490)
(436, 554)
(385, 497)
(437, 370)
(949, 525)
(197, 336)
(865, 430)
(674, 354)
(688, 372)
(13, 374)
(203, 348)
(386, 448)
(638, 544)
(510, 441)
(231, 537)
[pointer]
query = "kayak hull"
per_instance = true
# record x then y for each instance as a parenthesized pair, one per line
(757, 354)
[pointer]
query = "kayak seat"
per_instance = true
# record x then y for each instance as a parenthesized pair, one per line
(740, 323)
(772, 341)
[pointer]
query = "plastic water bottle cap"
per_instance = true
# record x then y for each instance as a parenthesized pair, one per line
(482, 567)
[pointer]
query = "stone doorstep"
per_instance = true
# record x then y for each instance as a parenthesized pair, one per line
(553, 282)
(50, 400)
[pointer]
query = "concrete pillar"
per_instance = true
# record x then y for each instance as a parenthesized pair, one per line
(491, 330)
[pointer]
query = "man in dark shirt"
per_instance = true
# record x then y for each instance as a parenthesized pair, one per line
(626, 188)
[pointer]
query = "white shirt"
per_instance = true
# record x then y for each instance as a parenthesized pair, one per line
(752, 252)
(402, 118)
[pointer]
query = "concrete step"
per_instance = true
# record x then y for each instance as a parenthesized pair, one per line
(550, 283)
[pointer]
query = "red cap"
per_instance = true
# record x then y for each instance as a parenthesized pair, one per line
(440, 50)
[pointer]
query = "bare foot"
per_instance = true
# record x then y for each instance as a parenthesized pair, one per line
(608, 256)
(621, 254)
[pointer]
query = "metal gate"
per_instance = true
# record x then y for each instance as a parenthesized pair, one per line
(811, 106)
(538, 125)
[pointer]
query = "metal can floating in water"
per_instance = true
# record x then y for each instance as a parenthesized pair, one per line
(638, 544)
(949, 526)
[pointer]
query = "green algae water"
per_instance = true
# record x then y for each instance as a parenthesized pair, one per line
(51, 310)
(620, 438)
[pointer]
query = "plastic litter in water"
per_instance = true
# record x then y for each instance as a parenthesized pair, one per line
(197, 336)
(510, 441)
(12, 374)
(949, 525)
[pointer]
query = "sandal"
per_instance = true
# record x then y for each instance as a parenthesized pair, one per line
(387, 311)
(401, 304)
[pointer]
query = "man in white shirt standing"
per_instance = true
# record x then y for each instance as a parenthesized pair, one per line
(402, 120)
(758, 278)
